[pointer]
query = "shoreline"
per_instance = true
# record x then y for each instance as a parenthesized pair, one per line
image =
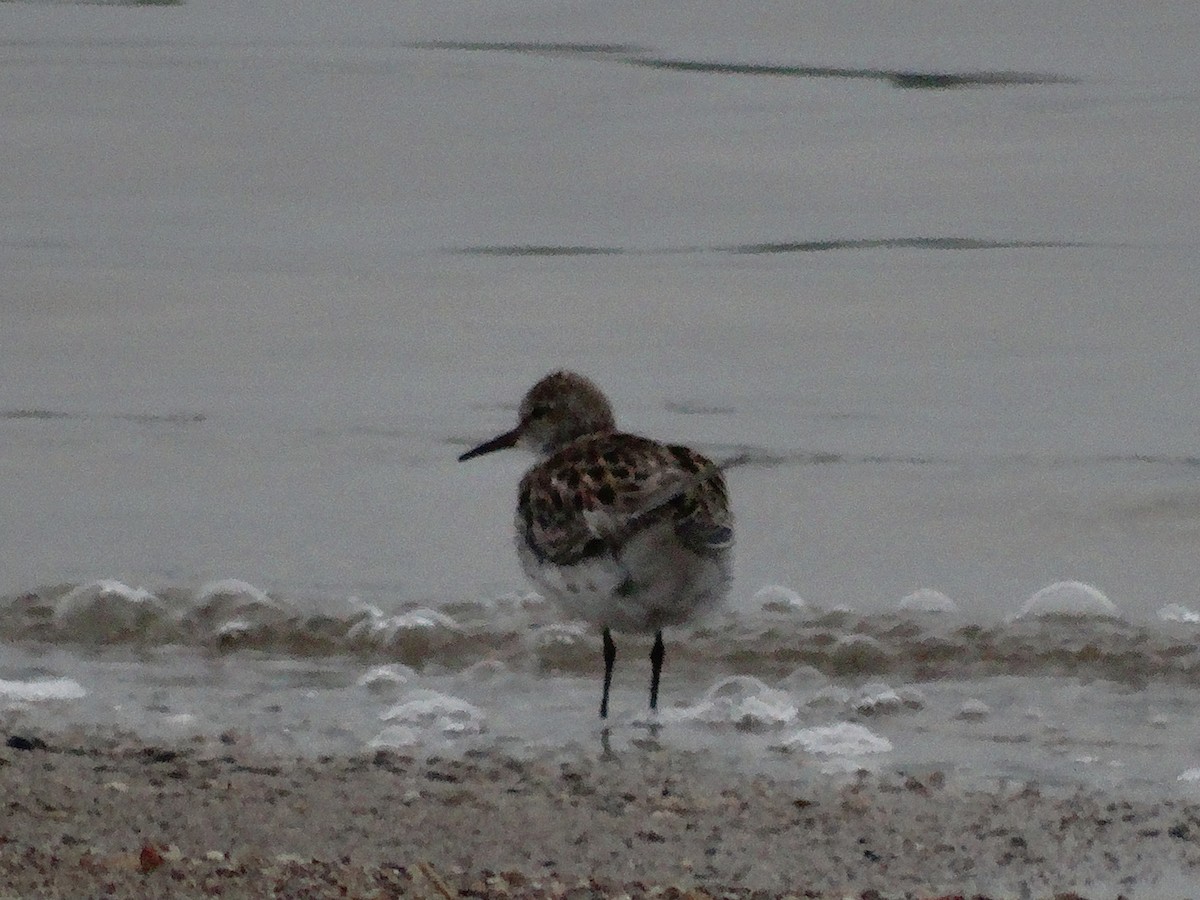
(89, 814)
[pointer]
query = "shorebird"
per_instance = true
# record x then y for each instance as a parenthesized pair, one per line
(622, 531)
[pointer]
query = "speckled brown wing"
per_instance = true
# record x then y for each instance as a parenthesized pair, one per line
(703, 517)
(597, 491)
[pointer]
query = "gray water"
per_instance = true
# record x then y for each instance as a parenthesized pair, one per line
(269, 267)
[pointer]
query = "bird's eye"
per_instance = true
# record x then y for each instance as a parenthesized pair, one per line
(540, 411)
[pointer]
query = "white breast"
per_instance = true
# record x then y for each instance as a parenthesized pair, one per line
(650, 582)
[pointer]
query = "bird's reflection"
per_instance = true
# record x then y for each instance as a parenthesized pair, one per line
(648, 743)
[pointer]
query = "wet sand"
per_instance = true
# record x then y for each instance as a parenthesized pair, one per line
(90, 815)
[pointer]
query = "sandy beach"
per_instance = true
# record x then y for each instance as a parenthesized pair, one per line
(92, 815)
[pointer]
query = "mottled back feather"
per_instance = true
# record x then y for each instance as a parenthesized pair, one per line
(591, 495)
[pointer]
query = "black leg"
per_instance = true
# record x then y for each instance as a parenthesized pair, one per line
(656, 660)
(610, 656)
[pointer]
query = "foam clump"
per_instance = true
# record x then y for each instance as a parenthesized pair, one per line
(803, 679)
(854, 654)
(416, 637)
(435, 714)
(386, 678)
(415, 633)
(558, 647)
(1068, 598)
(41, 690)
(1191, 775)
(486, 671)
(840, 739)
(777, 598)
(516, 601)
(740, 701)
(973, 711)
(927, 600)
(830, 695)
(394, 737)
(878, 699)
(1174, 612)
(423, 618)
(511, 611)
(568, 634)
(231, 612)
(230, 590)
(108, 610)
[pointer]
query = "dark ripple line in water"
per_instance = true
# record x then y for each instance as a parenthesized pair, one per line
(536, 250)
(696, 408)
(555, 48)
(173, 418)
(36, 414)
(737, 455)
(771, 247)
(913, 243)
(909, 79)
(634, 55)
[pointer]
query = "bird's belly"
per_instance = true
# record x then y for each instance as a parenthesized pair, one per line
(649, 583)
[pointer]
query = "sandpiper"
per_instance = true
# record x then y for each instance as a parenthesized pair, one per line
(624, 532)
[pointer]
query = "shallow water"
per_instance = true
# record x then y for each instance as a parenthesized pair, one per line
(1063, 691)
(929, 269)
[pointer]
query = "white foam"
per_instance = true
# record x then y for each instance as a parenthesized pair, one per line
(878, 698)
(234, 628)
(840, 739)
(232, 611)
(568, 634)
(973, 710)
(556, 647)
(378, 628)
(103, 588)
(423, 618)
(383, 679)
(435, 713)
(858, 653)
(830, 695)
(1069, 598)
(1190, 775)
(740, 701)
(107, 609)
(911, 697)
(230, 588)
(41, 690)
(395, 737)
(777, 598)
(1175, 612)
(927, 600)
(516, 601)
